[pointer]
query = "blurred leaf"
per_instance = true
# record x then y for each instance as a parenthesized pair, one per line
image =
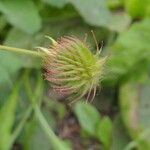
(17, 38)
(56, 3)
(22, 14)
(10, 63)
(143, 145)
(55, 106)
(88, 117)
(136, 8)
(96, 12)
(140, 142)
(104, 132)
(2, 23)
(119, 136)
(128, 98)
(134, 104)
(114, 4)
(33, 137)
(7, 117)
(51, 14)
(66, 28)
(130, 53)
(144, 139)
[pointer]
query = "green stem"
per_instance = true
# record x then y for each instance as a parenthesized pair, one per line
(55, 141)
(20, 126)
(35, 98)
(20, 51)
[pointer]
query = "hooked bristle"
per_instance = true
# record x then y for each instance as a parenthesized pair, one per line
(71, 67)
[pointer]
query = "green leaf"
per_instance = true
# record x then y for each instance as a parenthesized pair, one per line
(22, 14)
(2, 23)
(144, 140)
(11, 63)
(130, 55)
(141, 142)
(88, 117)
(7, 118)
(56, 3)
(143, 145)
(104, 132)
(33, 137)
(119, 135)
(114, 4)
(96, 12)
(136, 8)
(134, 104)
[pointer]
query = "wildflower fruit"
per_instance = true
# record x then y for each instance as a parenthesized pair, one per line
(72, 68)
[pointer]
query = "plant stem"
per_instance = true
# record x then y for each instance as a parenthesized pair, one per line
(20, 51)
(20, 126)
(55, 141)
(35, 98)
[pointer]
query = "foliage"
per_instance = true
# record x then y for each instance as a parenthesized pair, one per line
(131, 57)
(105, 132)
(88, 117)
(93, 124)
(137, 9)
(31, 118)
(7, 118)
(28, 21)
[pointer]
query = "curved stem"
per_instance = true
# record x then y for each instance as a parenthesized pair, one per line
(20, 51)
(55, 141)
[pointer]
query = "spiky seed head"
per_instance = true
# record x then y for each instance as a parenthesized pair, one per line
(72, 68)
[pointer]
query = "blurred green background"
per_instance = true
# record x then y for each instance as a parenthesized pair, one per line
(119, 117)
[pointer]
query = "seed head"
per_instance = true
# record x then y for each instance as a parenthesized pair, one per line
(72, 69)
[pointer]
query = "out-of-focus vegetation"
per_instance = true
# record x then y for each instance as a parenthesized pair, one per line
(119, 117)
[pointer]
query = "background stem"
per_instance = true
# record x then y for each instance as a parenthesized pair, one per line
(20, 126)
(55, 141)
